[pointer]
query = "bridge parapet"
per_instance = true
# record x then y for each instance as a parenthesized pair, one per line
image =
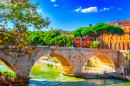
(75, 48)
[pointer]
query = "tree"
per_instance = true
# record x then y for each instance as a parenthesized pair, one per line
(36, 38)
(59, 40)
(96, 44)
(21, 15)
(102, 28)
(49, 35)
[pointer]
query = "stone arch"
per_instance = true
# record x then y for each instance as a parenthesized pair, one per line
(106, 61)
(66, 66)
(8, 65)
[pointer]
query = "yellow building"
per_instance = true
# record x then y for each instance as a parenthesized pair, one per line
(116, 41)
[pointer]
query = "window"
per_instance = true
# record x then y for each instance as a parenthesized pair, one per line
(129, 36)
(76, 39)
(83, 39)
(116, 37)
(76, 43)
(89, 44)
(108, 37)
(125, 29)
(124, 37)
(90, 38)
(81, 43)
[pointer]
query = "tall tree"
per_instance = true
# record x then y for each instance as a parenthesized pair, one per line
(59, 40)
(17, 17)
(102, 28)
(49, 35)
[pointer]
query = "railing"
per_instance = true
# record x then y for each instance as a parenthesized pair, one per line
(67, 48)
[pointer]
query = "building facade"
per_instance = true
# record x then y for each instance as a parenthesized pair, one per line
(109, 41)
(116, 41)
(84, 42)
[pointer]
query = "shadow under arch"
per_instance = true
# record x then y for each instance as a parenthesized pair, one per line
(105, 60)
(101, 61)
(8, 65)
(66, 67)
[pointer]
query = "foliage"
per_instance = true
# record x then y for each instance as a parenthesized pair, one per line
(96, 44)
(59, 40)
(49, 35)
(87, 63)
(67, 33)
(102, 28)
(36, 38)
(77, 32)
(20, 15)
(51, 65)
(126, 56)
(8, 74)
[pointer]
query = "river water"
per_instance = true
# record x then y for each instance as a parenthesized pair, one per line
(42, 75)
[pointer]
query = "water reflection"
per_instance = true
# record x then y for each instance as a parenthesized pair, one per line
(42, 75)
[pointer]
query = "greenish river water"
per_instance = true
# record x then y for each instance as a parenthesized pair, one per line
(42, 75)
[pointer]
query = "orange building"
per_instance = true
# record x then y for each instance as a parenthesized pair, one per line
(119, 42)
(85, 41)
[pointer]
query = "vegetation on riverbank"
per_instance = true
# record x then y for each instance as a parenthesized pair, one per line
(7, 73)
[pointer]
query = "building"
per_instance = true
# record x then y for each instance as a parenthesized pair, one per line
(84, 42)
(119, 42)
(109, 41)
(59, 30)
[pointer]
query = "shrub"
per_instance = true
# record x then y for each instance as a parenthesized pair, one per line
(96, 44)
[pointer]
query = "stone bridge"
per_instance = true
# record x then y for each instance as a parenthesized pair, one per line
(71, 59)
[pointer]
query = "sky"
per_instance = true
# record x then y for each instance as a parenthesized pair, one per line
(70, 15)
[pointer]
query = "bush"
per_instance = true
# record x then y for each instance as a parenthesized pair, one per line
(96, 44)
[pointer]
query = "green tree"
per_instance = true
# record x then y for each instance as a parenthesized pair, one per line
(96, 44)
(21, 15)
(36, 38)
(49, 35)
(102, 28)
(59, 40)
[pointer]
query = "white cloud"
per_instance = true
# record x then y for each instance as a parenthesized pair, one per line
(90, 9)
(56, 5)
(119, 9)
(53, 0)
(39, 10)
(77, 10)
(105, 9)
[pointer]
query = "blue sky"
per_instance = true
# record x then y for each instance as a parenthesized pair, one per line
(72, 14)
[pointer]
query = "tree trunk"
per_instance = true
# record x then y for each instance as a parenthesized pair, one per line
(110, 42)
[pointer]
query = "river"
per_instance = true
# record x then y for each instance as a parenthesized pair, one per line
(42, 75)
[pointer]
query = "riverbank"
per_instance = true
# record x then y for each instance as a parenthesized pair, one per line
(45, 63)
(105, 76)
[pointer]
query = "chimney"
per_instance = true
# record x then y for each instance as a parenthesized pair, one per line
(90, 25)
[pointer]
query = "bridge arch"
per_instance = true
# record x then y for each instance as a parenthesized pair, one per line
(10, 67)
(66, 66)
(102, 60)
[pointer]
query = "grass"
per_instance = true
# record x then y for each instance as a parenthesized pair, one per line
(7, 73)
